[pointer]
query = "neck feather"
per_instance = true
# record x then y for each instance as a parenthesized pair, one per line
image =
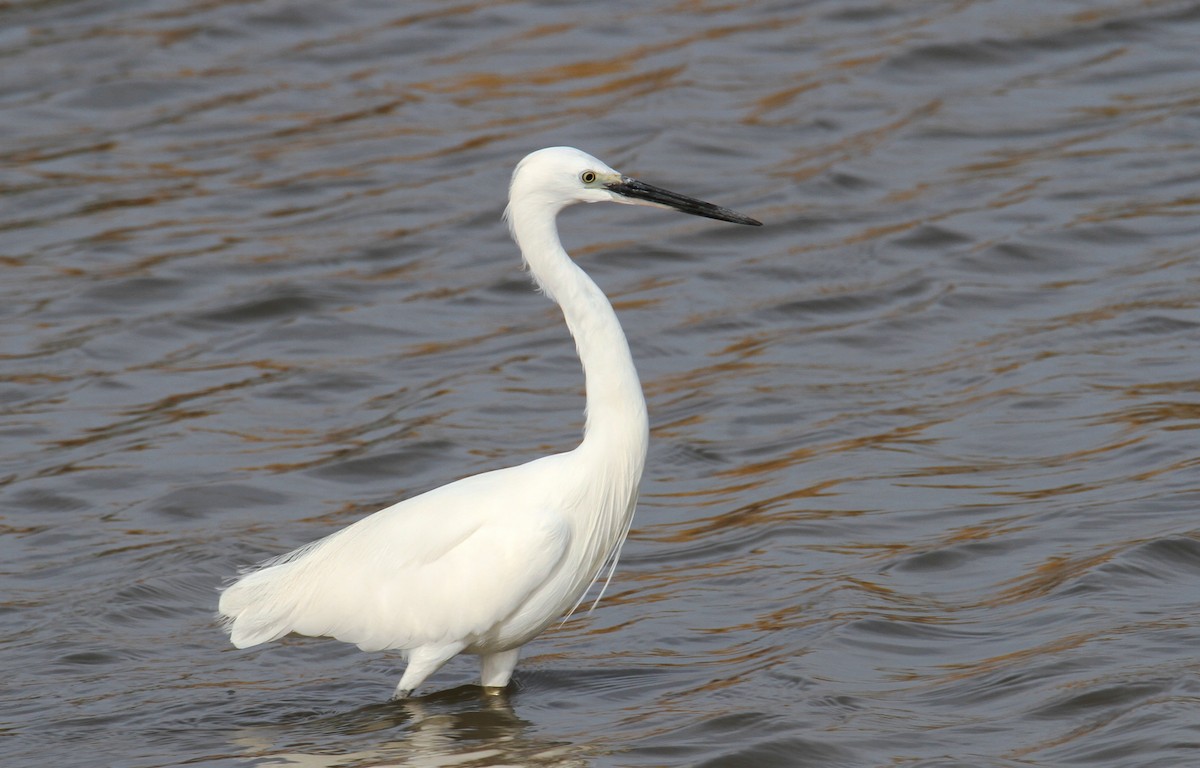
(616, 409)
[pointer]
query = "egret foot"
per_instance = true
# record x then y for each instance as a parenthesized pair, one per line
(495, 669)
(423, 661)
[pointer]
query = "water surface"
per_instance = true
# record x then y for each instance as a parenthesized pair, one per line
(922, 488)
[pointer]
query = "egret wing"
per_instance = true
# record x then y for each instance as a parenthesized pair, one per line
(448, 565)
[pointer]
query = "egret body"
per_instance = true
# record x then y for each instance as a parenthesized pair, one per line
(484, 564)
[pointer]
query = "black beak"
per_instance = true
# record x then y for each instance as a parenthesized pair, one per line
(638, 190)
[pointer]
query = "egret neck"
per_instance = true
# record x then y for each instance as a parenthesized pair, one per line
(608, 463)
(616, 408)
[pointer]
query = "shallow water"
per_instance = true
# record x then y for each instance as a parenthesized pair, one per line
(922, 487)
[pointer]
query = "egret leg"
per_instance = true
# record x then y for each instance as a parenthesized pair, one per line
(496, 668)
(423, 662)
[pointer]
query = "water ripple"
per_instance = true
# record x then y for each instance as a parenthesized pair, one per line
(921, 486)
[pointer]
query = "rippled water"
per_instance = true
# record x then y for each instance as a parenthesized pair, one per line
(922, 487)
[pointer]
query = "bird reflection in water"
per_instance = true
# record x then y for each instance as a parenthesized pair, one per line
(458, 726)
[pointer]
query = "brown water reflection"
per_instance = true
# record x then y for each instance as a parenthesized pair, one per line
(922, 483)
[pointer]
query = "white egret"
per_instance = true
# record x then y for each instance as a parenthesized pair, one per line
(484, 564)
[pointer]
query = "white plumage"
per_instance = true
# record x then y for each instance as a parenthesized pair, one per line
(484, 564)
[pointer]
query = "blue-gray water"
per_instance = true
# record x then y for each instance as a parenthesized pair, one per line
(924, 474)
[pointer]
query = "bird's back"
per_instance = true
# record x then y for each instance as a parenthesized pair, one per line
(449, 565)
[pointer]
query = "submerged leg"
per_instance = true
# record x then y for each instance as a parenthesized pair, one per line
(423, 662)
(496, 668)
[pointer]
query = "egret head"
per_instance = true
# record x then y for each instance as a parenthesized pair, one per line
(560, 176)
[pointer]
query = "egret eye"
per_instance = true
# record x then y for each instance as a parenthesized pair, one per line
(587, 177)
